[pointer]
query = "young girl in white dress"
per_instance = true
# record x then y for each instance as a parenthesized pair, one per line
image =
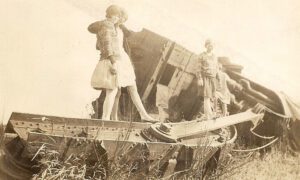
(125, 77)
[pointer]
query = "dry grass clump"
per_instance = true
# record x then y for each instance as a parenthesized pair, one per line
(75, 166)
(51, 166)
(273, 165)
(264, 165)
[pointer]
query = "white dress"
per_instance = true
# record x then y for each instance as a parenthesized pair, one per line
(125, 71)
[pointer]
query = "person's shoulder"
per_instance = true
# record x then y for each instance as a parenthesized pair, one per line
(96, 26)
(107, 24)
(202, 55)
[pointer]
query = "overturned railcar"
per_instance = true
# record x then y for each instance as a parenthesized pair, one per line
(166, 81)
(166, 78)
(182, 141)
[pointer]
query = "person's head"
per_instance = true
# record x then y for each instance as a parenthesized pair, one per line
(123, 16)
(220, 66)
(113, 13)
(209, 45)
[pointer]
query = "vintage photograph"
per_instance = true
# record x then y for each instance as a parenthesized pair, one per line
(149, 89)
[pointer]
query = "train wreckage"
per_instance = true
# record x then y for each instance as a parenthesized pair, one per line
(181, 142)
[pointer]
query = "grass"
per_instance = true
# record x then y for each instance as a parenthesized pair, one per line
(270, 165)
(76, 167)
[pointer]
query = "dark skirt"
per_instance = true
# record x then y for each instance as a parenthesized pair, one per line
(209, 87)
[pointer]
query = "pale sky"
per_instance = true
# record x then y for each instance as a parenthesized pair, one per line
(47, 55)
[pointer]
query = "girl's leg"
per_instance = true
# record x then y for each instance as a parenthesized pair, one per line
(138, 103)
(207, 108)
(108, 103)
(224, 109)
(114, 114)
(97, 106)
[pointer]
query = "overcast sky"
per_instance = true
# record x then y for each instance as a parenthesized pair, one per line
(47, 55)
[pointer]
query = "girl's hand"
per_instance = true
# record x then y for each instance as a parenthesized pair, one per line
(113, 69)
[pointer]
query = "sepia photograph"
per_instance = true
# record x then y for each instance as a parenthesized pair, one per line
(149, 89)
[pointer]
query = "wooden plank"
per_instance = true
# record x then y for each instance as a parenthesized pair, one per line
(155, 76)
(183, 83)
(146, 48)
(192, 66)
(178, 56)
(180, 60)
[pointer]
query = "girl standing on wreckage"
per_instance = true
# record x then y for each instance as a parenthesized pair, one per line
(207, 77)
(114, 70)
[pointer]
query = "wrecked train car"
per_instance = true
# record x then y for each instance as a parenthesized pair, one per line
(181, 142)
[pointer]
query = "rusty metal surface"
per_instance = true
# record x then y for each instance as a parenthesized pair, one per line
(121, 141)
(185, 130)
(24, 123)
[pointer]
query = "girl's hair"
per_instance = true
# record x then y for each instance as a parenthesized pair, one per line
(113, 10)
